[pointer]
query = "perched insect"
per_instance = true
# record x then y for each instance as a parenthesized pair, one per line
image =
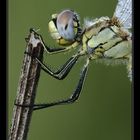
(104, 38)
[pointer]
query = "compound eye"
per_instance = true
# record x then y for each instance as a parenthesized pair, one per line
(68, 24)
(64, 27)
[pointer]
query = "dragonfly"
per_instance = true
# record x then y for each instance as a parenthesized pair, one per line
(103, 38)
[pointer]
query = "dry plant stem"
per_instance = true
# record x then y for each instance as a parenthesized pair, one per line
(26, 92)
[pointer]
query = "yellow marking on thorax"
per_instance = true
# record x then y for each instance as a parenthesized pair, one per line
(84, 42)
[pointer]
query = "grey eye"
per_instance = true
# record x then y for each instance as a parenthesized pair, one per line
(65, 24)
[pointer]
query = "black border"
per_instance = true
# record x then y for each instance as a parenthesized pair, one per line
(136, 71)
(3, 70)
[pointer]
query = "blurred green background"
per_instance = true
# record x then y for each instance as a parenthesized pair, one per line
(103, 111)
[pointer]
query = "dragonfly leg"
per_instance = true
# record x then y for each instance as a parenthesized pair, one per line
(48, 49)
(64, 70)
(73, 97)
(51, 50)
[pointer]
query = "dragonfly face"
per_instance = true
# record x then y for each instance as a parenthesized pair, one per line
(64, 27)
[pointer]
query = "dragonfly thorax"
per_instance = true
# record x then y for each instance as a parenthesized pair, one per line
(104, 40)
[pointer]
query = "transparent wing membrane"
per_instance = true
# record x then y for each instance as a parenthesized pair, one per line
(123, 12)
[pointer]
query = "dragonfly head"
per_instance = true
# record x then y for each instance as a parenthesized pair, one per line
(65, 27)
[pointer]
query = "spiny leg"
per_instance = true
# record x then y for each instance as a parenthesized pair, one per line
(71, 99)
(48, 49)
(74, 95)
(64, 70)
(51, 50)
(60, 74)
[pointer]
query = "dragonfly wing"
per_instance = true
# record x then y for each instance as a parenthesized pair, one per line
(123, 12)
